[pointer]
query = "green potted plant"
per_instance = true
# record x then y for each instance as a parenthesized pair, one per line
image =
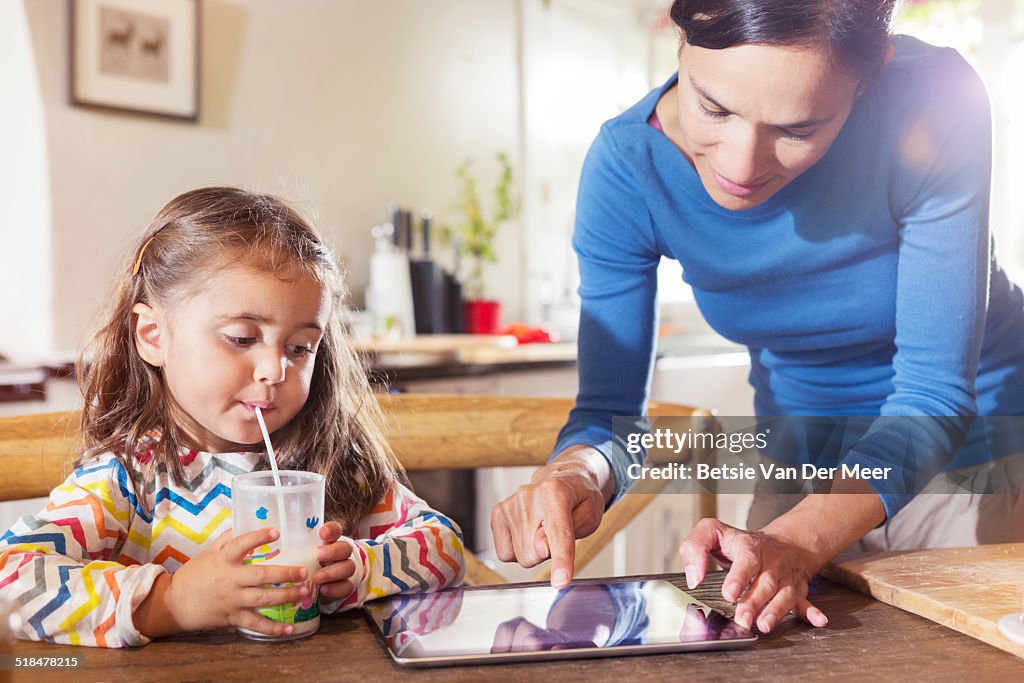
(473, 231)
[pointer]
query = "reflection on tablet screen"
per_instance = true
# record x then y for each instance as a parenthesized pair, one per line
(541, 618)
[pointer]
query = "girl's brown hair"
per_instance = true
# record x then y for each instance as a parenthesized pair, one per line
(340, 430)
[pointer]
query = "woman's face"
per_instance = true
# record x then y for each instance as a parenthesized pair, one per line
(753, 117)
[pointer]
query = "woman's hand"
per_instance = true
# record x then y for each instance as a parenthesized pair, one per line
(216, 588)
(564, 501)
(768, 572)
(769, 569)
(335, 576)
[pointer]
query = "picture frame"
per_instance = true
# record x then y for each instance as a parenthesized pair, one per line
(135, 55)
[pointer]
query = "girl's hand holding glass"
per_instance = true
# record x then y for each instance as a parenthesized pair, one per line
(216, 588)
(334, 578)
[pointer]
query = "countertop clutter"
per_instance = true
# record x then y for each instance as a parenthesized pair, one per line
(22, 384)
(29, 383)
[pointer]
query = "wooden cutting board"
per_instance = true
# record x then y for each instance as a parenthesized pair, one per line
(966, 589)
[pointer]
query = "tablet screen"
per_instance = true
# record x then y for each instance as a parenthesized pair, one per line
(540, 622)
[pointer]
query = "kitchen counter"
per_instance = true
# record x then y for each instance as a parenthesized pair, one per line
(452, 356)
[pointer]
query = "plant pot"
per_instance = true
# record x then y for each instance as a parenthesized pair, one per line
(482, 316)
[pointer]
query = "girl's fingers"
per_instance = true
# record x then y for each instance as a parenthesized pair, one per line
(222, 540)
(330, 532)
(263, 574)
(237, 548)
(335, 552)
(252, 621)
(338, 571)
(266, 597)
(337, 589)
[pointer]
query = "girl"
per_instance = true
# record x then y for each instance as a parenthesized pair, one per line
(232, 303)
(825, 187)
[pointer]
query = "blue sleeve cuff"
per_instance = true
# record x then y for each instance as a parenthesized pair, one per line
(619, 459)
(892, 490)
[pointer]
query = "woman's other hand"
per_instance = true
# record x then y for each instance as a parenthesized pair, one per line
(770, 569)
(564, 501)
(768, 573)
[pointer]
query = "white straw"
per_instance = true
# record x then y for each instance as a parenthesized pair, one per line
(270, 447)
(273, 467)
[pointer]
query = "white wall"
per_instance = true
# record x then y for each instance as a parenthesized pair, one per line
(584, 62)
(26, 306)
(340, 105)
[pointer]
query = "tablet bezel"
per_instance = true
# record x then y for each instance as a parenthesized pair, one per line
(566, 654)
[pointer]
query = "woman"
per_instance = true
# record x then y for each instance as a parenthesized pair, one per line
(825, 187)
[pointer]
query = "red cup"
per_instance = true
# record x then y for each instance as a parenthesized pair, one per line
(482, 316)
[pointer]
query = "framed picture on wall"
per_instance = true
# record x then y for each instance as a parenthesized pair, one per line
(136, 55)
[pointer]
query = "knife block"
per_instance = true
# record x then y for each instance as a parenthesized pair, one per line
(429, 297)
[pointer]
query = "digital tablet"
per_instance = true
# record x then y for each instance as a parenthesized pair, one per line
(490, 626)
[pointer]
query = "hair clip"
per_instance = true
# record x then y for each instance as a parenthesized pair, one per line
(138, 261)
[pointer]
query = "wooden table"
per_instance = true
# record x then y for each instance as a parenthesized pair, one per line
(865, 639)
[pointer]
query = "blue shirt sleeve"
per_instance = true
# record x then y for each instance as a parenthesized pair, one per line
(618, 261)
(941, 199)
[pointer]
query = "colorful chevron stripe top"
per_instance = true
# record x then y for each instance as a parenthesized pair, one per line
(81, 566)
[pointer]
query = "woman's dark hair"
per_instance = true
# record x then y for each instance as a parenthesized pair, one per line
(854, 33)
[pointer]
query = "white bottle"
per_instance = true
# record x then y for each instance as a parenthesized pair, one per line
(389, 295)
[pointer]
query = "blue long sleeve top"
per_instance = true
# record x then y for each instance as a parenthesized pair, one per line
(864, 287)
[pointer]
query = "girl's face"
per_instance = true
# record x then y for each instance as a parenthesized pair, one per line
(247, 339)
(753, 117)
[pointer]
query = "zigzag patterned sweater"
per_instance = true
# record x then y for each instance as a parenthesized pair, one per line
(82, 566)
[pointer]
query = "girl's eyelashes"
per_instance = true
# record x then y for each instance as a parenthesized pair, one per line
(295, 351)
(241, 342)
(299, 351)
